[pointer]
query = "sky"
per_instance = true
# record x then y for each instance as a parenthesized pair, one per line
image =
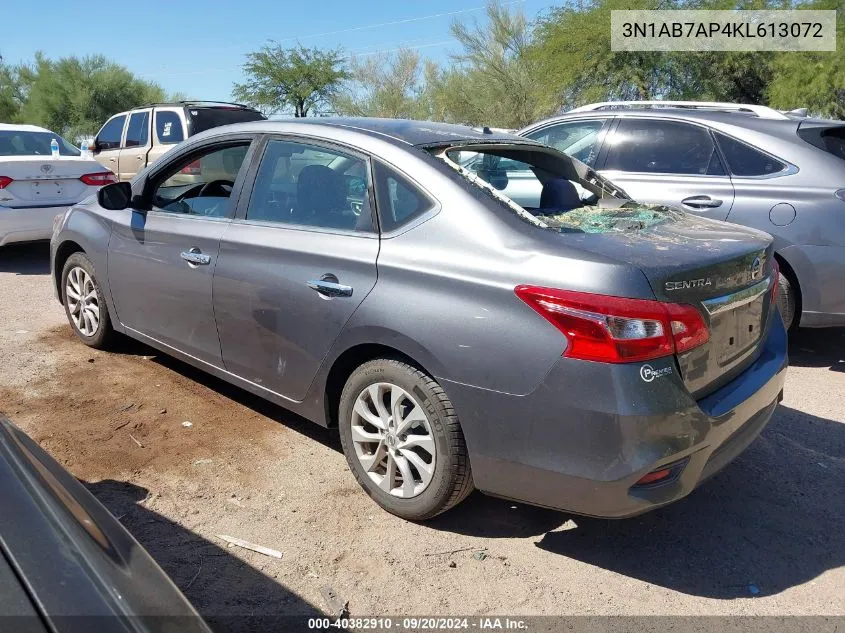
(197, 48)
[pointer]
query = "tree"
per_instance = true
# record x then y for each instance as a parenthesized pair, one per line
(10, 94)
(76, 96)
(299, 79)
(493, 80)
(386, 85)
(815, 81)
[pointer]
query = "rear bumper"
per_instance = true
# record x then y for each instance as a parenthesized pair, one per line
(582, 440)
(27, 224)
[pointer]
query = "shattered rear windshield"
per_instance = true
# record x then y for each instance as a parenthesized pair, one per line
(550, 190)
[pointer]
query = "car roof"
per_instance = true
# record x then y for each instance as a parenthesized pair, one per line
(405, 131)
(731, 118)
(22, 128)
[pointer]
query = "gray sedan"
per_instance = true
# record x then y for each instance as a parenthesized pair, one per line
(581, 352)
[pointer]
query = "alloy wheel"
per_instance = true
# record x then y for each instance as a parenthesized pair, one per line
(393, 440)
(82, 302)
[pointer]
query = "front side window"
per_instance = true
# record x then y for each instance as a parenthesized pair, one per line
(201, 185)
(138, 131)
(308, 185)
(169, 127)
(744, 160)
(575, 138)
(399, 200)
(662, 147)
(109, 136)
(25, 143)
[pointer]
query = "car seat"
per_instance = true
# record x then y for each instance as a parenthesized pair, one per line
(559, 195)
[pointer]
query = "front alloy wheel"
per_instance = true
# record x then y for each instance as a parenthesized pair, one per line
(82, 302)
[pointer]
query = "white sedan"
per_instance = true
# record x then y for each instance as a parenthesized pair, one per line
(35, 185)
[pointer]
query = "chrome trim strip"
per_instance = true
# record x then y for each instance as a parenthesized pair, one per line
(717, 305)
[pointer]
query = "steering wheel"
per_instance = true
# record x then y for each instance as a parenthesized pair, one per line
(222, 187)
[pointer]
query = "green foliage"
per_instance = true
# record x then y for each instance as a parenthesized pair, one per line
(299, 79)
(493, 80)
(812, 80)
(75, 96)
(10, 96)
(387, 85)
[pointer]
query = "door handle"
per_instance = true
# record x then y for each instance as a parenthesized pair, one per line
(195, 256)
(701, 202)
(329, 289)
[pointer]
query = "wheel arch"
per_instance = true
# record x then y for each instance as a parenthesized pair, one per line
(347, 362)
(63, 252)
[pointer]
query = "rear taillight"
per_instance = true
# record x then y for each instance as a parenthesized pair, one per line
(98, 179)
(616, 329)
(5, 181)
(775, 280)
(192, 169)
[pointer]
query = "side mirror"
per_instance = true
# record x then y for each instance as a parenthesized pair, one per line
(116, 196)
(94, 147)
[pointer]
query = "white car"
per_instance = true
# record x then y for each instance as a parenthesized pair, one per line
(35, 186)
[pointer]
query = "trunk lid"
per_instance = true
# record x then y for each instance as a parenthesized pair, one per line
(44, 180)
(722, 269)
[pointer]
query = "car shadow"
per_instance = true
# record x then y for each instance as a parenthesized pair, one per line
(231, 595)
(770, 521)
(32, 258)
(818, 347)
(327, 437)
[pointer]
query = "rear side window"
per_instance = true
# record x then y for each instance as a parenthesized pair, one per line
(399, 200)
(109, 136)
(575, 138)
(663, 147)
(744, 160)
(202, 119)
(313, 186)
(830, 139)
(169, 127)
(138, 131)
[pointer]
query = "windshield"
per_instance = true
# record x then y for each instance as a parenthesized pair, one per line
(202, 119)
(27, 143)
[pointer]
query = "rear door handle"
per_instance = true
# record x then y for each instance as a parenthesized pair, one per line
(702, 202)
(195, 256)
(329, 289)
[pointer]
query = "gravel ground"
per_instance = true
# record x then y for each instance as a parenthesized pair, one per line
(763, 537)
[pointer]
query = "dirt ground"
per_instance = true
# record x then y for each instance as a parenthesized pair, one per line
(764, 537)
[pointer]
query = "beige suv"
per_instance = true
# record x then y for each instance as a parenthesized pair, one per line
(129, 141)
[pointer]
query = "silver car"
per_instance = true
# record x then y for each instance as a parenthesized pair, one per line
(596, 355)
(752, 165)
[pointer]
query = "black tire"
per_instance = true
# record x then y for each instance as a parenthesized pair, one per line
(104, 334)
(787, 302)
(451, 481)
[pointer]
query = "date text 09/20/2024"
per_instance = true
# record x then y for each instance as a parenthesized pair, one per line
(419, 623)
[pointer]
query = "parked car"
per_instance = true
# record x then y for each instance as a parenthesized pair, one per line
(65, 563)
(601, 358)
(129, 141)
(752, 165)
(35, 186)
